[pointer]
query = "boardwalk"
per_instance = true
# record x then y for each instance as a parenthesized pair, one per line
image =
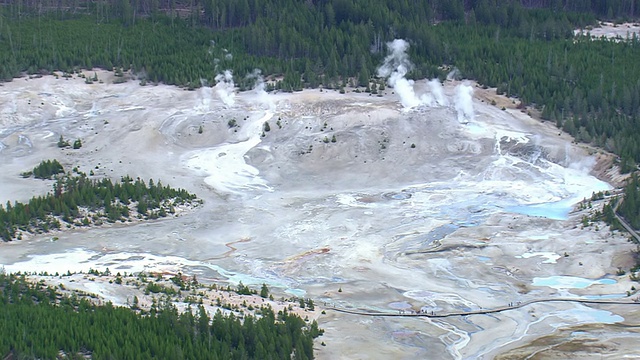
(483, 311)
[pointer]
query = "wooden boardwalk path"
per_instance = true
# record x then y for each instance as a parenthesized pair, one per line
(481, 311)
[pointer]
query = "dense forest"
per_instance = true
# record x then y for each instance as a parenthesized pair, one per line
(39, 322)
(631, 203)
(525, 48)
(80, 201)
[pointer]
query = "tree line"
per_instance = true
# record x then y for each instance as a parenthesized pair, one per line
(40, 322)
(228, 13)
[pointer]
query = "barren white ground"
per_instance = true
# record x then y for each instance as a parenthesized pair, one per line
(407, 210)
(607, 30)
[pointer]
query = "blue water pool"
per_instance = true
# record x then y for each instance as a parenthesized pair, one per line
(558, 210)
(569, 282)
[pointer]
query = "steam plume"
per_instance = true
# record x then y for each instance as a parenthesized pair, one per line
(437, 92)
(464, 103)
(396, 66)
(259, 88)
(225, 87)
(205, 96)
(397, 60)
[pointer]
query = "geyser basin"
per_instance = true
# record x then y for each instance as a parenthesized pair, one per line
(312, 217)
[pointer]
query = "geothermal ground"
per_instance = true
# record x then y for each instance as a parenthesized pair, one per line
(407, 211)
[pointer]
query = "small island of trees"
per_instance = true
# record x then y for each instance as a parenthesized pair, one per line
(45, 170)
(79, 201)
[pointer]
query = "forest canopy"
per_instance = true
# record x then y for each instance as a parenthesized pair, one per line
(41, 322)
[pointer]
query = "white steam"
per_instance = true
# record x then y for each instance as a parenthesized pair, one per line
(259, 89)
(464, 103)
(225, 88)
(205, 96)
(227, 55)
(396, 66)
(437, 93)
(397, 60)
